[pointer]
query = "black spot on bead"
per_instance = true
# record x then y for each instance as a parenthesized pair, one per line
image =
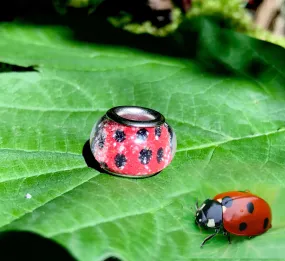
(242, 226)
(119, 136)
(145, 156)
(159, 155)
(250, 207)
(100, 141)
(227, 202)
(120, 160)
(170, 137)
(103, 165)
(142, 134)
(157, 132)
(265, 223)
(170, 131)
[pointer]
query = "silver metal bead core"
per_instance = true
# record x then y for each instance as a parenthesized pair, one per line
(136, 116)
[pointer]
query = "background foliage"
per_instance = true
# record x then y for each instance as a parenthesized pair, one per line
(230, 14)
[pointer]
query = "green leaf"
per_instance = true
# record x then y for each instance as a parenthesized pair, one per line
(224, 96)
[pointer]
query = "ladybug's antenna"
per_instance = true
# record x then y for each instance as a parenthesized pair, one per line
(196, 208)
(196, 205)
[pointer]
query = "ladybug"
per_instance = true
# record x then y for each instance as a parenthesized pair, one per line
(235, 212)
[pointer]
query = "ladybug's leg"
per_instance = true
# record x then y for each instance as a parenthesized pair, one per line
(227, 234)
(209, 237)
(229, 238)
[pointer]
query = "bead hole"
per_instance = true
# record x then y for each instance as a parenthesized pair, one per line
(135, 114)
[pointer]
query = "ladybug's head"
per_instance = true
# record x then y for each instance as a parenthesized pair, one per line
(210, 214)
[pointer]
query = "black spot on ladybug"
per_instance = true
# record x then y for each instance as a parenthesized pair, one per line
(265, 223)
(120, 160)
(227, 202)
(157, 132)
(142, 134)
(242, 226)
(103, 165)
(119, 136)
(145, 156)
(250, 207)
(159, 155)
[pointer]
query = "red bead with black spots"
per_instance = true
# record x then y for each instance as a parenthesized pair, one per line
(131, 150)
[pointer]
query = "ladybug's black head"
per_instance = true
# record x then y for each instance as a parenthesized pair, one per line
(210, 214)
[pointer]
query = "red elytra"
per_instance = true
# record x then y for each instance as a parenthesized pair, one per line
(246, 215)
(132, 151)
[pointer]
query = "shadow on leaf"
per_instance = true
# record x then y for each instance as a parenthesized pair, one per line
(91, 162)
(5, 67)
(16, 245)
(28, 246)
